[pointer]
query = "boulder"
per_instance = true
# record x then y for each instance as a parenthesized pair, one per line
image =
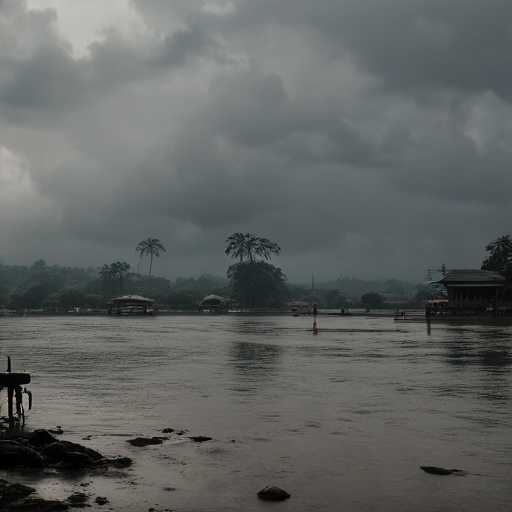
(272, 493)
(14, 454)
(60, 450)
(200, 439)
(12, 492)
(145, 441)
(41, 437)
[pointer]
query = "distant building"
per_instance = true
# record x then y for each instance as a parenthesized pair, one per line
(473, 291)
(133, 305)
(214, 303)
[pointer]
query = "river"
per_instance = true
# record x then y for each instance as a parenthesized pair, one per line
(342, 420)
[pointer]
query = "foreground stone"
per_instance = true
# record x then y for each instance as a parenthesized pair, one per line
(272, 493)
(12, 492)
(15, 498)
(41, 449)
(146, 441)
(14, 454)
(442, 471)
(200, 439)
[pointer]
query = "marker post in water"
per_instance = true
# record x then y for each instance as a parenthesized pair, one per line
(315, 311)
(13, 382)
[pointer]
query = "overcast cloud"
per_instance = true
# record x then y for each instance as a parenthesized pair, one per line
(367, 138)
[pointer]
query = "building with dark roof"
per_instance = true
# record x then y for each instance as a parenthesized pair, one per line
(132, 304)
(473, 291)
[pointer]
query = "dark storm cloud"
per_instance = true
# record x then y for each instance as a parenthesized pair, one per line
(369, 138)
(411, 45)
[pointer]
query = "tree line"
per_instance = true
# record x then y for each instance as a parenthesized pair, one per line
(252, 282)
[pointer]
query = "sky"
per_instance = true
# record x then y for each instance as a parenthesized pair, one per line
(369, 139)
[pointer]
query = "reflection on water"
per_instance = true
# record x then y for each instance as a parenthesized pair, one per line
(254, 361)
(341, 420)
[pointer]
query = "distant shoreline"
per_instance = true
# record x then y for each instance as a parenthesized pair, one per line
(242, 312)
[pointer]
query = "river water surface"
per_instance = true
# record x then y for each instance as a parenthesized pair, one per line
(341, 420)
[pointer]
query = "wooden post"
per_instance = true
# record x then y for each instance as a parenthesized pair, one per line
(12, 380)
(10, 394)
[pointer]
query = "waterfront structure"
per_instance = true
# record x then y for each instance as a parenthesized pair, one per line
(472, 292)
(214, 303)
(132, 304)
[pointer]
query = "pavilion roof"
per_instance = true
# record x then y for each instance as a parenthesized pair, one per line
(472, 277)
(131, 300)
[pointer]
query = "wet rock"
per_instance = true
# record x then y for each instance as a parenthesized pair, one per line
(167, 430)
(119, 462)
(100, 500)
(442, 471)
(272, 493)
(145, 441)
(36, 505)
(200, 439)
(77, 459)
(13, 454)
(16, 498)
(10, 493)
(70, 453)
(78, 500)
(41, 437)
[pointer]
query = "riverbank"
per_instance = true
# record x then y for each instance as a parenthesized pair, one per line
(234, 312)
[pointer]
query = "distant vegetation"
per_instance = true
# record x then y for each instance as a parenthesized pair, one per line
(251, 282)
(63, 288)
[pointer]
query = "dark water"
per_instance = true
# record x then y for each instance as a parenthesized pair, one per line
(341, 420)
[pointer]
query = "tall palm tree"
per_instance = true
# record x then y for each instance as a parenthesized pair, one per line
(249, 246)
(500, 254)
(150, 247)
(236, 246)
(265, 248)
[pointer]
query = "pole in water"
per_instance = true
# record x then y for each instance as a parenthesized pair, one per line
(315, 311)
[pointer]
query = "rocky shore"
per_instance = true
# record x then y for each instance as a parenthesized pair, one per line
(41, 450)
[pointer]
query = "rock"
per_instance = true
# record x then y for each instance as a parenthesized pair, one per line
(272, 493)
(200, 439)
(78, 500)
(77, 459)
(41, 437)
(167, 430)
(144, 441)
(60, 452)
(15, 498)
(36, 505)
(100, 500)
(13, 454)
(12, 492)
(441, 471)
(119, 462)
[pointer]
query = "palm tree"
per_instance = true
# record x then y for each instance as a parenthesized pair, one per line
(500, 254)
(249, 246)
(150, 247)
(265, 248)
(236, 246)
(115, 273)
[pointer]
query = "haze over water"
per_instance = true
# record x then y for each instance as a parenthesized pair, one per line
(341, 420)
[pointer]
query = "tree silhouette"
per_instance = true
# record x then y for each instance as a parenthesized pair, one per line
(150, 247)
(500, 254)
(248, 246)
(115, 273)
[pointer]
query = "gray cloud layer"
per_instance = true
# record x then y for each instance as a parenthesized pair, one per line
(365, 138)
